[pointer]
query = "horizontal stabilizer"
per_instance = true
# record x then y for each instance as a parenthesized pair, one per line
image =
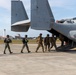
(21, 26)
(41, 15)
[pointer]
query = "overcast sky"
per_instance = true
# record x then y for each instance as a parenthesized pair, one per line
(61, 9)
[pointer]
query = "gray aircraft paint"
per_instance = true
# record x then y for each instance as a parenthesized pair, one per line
(43, 19)
(68, 30)
(18, 13)
(41, 15)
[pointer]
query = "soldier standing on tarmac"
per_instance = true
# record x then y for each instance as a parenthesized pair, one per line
(47, 42)
(25, 41)
(7, 41)
(40, 42)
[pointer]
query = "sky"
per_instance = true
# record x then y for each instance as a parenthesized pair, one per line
(61, 9)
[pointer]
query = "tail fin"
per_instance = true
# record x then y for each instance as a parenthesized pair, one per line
(18, 17)
(41, 15)
(18, 12)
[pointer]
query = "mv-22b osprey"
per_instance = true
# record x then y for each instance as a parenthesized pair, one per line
(41, 19)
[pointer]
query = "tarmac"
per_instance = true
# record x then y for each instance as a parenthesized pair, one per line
(48, 63)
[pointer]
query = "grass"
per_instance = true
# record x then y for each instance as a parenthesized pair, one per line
(33, 41)
(19, 41)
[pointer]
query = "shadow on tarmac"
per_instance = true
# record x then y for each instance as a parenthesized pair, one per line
(51, 51)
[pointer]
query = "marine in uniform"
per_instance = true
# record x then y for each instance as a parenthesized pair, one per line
(47, 42)
(53, 42)
(25, 44)
(40, 43)
(7, 41)
(61, 38)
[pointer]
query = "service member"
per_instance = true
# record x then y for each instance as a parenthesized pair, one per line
(40, 42)
(53, 42)
(47, 42)
(7, 40)
(25, 44)
(61, 38)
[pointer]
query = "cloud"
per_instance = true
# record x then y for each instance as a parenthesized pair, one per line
(5, 4)
(27, 5)
(66, 4)
(54, 3)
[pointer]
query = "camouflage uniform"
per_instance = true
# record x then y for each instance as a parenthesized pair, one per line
(47, 42)
(61, 38)
(40, 43)
(53, 42)
(25, 41)
(7, 41)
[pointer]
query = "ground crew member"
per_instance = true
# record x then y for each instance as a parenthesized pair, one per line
(25, 44)
(53, 42)
(7, 41)
(40, 42)
(47, 42)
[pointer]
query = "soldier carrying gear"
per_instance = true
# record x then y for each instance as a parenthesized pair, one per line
(7, 41)
(40, 42)
(47, 42)
(53, 42)
(61, 38)
(25, 41)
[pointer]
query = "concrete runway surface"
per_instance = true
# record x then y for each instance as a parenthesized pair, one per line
(48, 63)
